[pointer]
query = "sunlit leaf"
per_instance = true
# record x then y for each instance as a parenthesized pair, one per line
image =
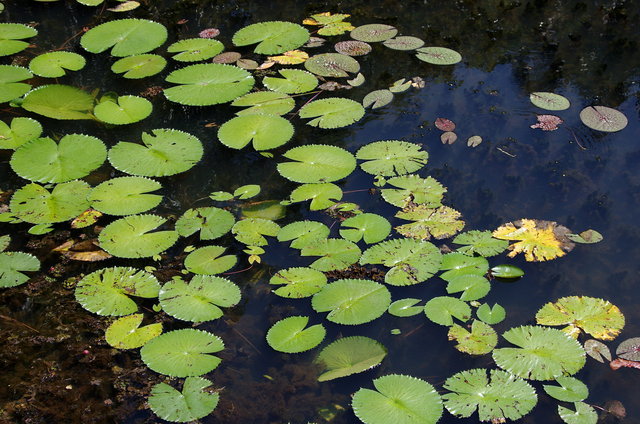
(322, 195)
(411, 189)
(302, 233)
(332, 65)
(315, 163)
(251, 231)
(193, 402)
(584, 414)
(20, 131)
(298, 282)
(480, 242)
(538, 240)
(294, 81)
(123, 110)
(289, 335)
(136, 237)
(443, 309)
(12, 266)
(125, 195)
(586, 237)
(336, 254)
(377, 99)
(372, 33)
(332, 113)
(126, 333)
(405, 308)
(369, 227)
(195, 49)
(292, 57)
(139, 66)
(441, 222)
(55, 64)
(491, 315)
(352, 301)
(263, 131)
(59, 101)
(391, 157)
(602, 118)
(35, 204)
(570, 390)
(266, 102)
(125, 37)
(209, 260)
(272, 37)
(479, 341)
(549, 101)
(11, 36)
(349, 355)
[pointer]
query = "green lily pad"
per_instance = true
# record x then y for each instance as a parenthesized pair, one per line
(472, 287)
(134, 237)
(10, 85)
(584, 414)
(411, 261)
(263, 131)
(570, 390)
(192, 403)
(438, 55)
(208, 84)
(322, 195)
(125, 37)
(336, 254)
(315, 163)
(209, 260)
(36, 205)
(479, 341)
(499, 398)
(443, 309)
(125, 195)
(272, 37)
(602, 118)
(271, 210)
(404, 43)
(456, 265)
(20, 131)
(336, 112)
(491, 315)
(59, 101)
(4, 242)
(12, 266)
(507, 272)
(195, 49)
(372, 33)
(107, 291)
(43, 160)
(289, 335)
(123, 110)
(264, 102)
(294, 81)
(211, 222)
(405, 308)
(11, 35)
(542, 353)
(250, 231)
(439, 223)
(334, 65)
(389, 158)
(349, 355)
(352, 301)
(549, 101)
(413, 189)
(480, 242)
(369, 227)
(377, 99)
(586, 237)
(56, 64)
(163, 152)
(182, 353)
(139, 66)
(302, 233)
(246, 191)
(399, 399)
(199, 300)
(126, 333)
(298, 282)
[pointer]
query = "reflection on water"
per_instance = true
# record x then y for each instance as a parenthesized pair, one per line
(586, 51)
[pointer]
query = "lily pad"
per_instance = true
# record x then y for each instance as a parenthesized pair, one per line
(35, 204)
(480, 242)
(586, 237)
(123, 110)
(294, 81)
(182, 353)
(10, 85)
(208, 84)
(549, 101)
(125, 195)
(479, 341)
(390, 158)
(349, 355)
(584, 414)
(134, 237)
(139, 66)
(302, 233)
(211, 222)
(298, 282)
(456, 265)
(472, 287)
(265, 102)
(209, 260)
(195, 49)
(405, 308)
(443, 309)
(263, 131)
(353, 48)
(56, 64)
(59, 101)
(315, 163)
(289, 335)
(11, 35)
(491, 315)
(439, 223)
(107, 291)
(404, 43)
(438, 55)
(336, 254)
(629, 349)
(163, 152)
(336, 112)
(377, 99)
(20, 131)
(538, 240)
(250, 231)
(273, 37)
(12, 266)
(413, 189)
(369, 227)
(194, 402)
(322, 195)
(399, 399)
(602, 118)
(126, 333)
(199, 300)
(373, 33)
(570, 390)
(598, 350)
(125, 37)
(352, 301)
(43, 160)
(332, 65)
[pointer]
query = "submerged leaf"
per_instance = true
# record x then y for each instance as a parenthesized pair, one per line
(349, 355)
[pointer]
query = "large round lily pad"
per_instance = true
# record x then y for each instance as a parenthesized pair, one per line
(56, 64)
(193, 402)
(125, 37)
(125, 195)
(289, 335)
(59, 101)
(391, 157)
(263, 131)
(332, 65)
(272, 37)
(332, 113)
(35, 204)
(316, 163)
(134, 237)
(352, 301)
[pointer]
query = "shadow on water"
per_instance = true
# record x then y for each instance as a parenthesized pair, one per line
(60, 370)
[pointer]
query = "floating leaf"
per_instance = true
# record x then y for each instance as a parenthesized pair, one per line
(43, 160)
(332, 65)
(4, 242)
(586, 237)
(570, 390)
(199, 300)
(125, 6)
(597, 317)
(272, 37)
(357, 81)
(182, 353)
(443, 309)
(538, 240)
(377, 99)
(10, 85)
(352, 301)
(473, 287)
(209, 260)
(295, 81)
(479, 341)
(602, 118)
(289, 335)
(411, 261)
(349, 355)
(542, 353)
(353, 48)
(246, 191)
(250, 231)
(456, 265)
(272, 210)
(125, 37)
(211, 222)
(369, 227)
(21, 131)
(209, 33)
(266, 102)
(404, 43)
(332, 113)
(298, 282)
(55, 64)
(332, 24)
(439, 223)
(391, 157)
(10, 36)
(414, 190)
(405, 308)
(36, 205)
(134, 237)
(125, 196)
(373, 33)
(208, 84)
(123, 110)
(59, 102)
(547, 122)
(322, 195)
(629, 349)
(194, 402)
(292, 57)
(584, 414)
(438, 55)
(12, 266)
(126, 333)
(399, 399)
(491, 315)
(400, 86)
(316, 163)
(303, 233)
(336, 254)
(263, 131)
(163, 152)
(444, 124)
(480, 242)
(502, 397)
(506, 271)
(195, 49)
(549, 101)
(597, 350)
(448, 137)
(139, 66)
(107, 291)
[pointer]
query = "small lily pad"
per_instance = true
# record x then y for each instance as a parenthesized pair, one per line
(405, 308)
(443, 309)
(294, 81)
(211, 222)
(139, 66)
(123, 110)
(549, 101)
(56, 64)
(377, 98)
(479, 341)
(262, 130)
(491, 315)
(126, 333)
(195, 49)
(336, 112)
(289, 335)
(298, 282)
(404, 43)
(570, 390)
(193, 402)
(209, 260)
(391, 157)
(438, 55)
(332, 65)
(12, 266)
(373, 33)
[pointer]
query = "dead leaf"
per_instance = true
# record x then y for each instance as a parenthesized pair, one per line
(597, 350)
(547, 122)
(125, 7)
(474, 141)
(616, 408)
(443, 124)
(538, 240)
(209, 33)
(84, 250)
(227, 57)
(292, 57)
(448, 137)
(621, 363)
(86, 218)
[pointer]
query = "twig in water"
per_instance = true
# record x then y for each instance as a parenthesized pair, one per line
(506, 153)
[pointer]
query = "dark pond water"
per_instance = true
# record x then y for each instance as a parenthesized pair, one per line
(584, 50)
